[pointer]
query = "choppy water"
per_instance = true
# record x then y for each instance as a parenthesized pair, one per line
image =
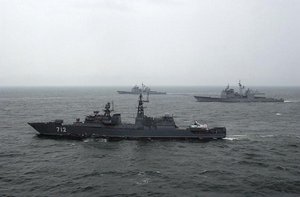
(260, 156)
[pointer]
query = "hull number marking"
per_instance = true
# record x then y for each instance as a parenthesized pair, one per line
(61, 129)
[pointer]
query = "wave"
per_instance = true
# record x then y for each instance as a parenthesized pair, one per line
(236, 137)
(263, 136)
(253, 163)
(95, 140)
(292, 101)
(144, 181)
(230, 138)
(216, 172)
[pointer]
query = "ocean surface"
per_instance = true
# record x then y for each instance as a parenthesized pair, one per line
(259, 157)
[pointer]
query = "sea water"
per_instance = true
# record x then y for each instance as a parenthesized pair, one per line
(259, 157)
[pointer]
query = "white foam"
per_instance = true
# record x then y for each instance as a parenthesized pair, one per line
(143, 181)
(230, 138)
(267, 136)
(278, 114)
(102, 140)
(289, 101)
(236, 137)
(239, 135)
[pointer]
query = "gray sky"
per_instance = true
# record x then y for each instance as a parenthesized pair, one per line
(158, 42)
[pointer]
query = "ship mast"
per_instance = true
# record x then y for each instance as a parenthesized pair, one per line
(140, 112)
(241, 87)
(107, 110)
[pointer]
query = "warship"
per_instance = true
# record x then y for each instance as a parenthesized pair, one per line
(229, 95)
(137, 90)
(109, 126)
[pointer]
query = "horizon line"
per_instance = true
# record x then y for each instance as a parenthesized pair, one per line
(32, 86)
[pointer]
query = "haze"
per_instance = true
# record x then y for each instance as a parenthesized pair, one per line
(157, 42)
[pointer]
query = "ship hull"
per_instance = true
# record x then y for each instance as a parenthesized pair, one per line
(237, 100)
(130, 132)
(136, 93)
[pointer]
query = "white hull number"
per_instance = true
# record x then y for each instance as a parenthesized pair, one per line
(61, 129)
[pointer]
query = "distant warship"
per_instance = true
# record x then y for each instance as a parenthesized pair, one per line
(229, 95)
(137, 90)
(111, 127)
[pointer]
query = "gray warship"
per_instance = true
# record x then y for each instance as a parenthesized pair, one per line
(137, 90)
(229, 95)
(109, 126)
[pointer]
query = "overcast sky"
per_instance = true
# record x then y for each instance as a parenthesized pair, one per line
(157, 42)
